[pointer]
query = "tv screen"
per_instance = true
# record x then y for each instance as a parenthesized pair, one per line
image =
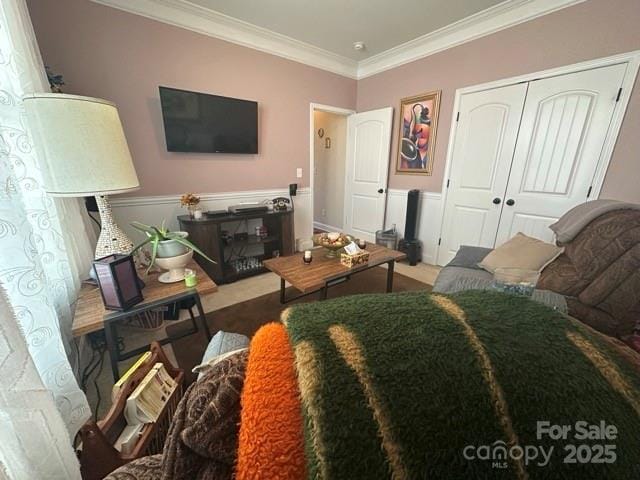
(198, 122)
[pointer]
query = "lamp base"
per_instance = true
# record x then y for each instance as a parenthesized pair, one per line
(112, 238)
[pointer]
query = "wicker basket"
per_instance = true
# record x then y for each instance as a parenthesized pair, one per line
(354, 260)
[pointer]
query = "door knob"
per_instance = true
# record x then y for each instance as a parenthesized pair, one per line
(381, 190)
(511, 202)
(497, 201)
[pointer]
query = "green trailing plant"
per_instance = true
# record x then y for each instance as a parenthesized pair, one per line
(155, 235)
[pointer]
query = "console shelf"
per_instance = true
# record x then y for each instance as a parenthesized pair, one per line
(207, 234)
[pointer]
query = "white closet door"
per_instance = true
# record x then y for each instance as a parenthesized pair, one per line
(482, 152)
(563, 129)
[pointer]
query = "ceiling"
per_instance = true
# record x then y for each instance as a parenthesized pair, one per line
(334, 25)
(321, 33)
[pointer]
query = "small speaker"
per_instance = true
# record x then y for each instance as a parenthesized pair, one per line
(413, 250)
(412, 215)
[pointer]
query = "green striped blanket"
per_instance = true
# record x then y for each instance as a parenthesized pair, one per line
(468, 386)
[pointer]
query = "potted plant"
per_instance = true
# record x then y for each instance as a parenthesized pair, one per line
(165, 243)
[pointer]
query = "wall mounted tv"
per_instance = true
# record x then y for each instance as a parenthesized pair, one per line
(198, 122)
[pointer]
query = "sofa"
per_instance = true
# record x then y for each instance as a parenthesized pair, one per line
(597, 277)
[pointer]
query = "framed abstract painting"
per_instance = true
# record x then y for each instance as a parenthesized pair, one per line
(417, 135)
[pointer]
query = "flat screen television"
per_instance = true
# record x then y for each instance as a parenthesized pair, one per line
(199, 122)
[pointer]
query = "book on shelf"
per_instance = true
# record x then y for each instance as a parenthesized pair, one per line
(146, 402)
(118, 385)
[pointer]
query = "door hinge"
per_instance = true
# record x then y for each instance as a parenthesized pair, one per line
(439, 240)
(619, 94)
(448, 181)
(589, 192)
(458, 116)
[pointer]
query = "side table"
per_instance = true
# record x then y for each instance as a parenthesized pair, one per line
(91, 316)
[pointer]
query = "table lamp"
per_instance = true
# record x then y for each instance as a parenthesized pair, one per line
(83, 152)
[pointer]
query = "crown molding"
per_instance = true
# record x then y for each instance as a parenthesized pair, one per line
(184, 14)
(187, 15)
(499, 17)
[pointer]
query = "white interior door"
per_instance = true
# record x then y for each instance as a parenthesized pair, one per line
(368, 144)
(485, 140)
(562, 133)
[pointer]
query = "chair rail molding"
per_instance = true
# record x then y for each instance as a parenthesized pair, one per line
(187, 15)
(156, 209)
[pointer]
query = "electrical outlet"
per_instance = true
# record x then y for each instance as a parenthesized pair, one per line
(323, 212)
(298, 173)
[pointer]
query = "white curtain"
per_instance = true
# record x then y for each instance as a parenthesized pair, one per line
(34, 443)
(45, 243)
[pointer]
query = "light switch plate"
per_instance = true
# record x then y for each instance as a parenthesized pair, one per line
(298, 172)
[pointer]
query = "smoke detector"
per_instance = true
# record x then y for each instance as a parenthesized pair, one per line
(358, 46)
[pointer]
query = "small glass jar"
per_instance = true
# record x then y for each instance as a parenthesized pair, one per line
(307, 257)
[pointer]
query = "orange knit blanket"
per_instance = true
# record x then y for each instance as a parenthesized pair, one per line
(271, 435)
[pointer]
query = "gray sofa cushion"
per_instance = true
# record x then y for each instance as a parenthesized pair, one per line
(449, 278)
(469, 257)
(221, 343)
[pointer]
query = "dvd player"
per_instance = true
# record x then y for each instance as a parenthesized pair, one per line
(248, 207)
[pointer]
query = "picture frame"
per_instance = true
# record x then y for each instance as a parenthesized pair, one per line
(417, 133)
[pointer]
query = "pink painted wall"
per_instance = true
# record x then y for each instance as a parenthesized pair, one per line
(107, 53)
(593, 29)
(123, 57)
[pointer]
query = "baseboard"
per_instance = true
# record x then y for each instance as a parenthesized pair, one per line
(326, 227)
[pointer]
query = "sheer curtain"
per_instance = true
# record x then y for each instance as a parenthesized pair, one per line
(45, 243)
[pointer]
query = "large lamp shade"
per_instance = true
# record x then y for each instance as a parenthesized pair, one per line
(80, 144)
(82, 151)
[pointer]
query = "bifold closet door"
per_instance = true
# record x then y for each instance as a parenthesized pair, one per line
(485, 140)
(562, 133)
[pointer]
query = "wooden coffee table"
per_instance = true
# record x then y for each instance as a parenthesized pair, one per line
(323, 273)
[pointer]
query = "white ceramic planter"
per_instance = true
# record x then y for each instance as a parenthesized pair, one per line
(171, 248)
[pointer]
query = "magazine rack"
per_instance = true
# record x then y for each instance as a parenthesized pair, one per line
(98, 456)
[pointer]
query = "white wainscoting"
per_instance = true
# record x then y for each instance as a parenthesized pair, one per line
(154, 209)
(429, 219)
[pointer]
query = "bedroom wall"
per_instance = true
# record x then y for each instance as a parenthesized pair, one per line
(593, 29)
(104, 52)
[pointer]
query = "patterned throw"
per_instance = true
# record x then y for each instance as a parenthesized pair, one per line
(472, 385)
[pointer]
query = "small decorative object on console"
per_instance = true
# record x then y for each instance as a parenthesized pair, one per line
(281, 204)
(362, 243)
(190, 201)
(118, 281)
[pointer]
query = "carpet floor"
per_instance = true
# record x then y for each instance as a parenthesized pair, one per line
(247, 317)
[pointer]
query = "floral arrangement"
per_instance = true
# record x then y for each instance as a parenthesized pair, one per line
(189, 200)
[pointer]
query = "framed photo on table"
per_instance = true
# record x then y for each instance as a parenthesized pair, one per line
(417, 133)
